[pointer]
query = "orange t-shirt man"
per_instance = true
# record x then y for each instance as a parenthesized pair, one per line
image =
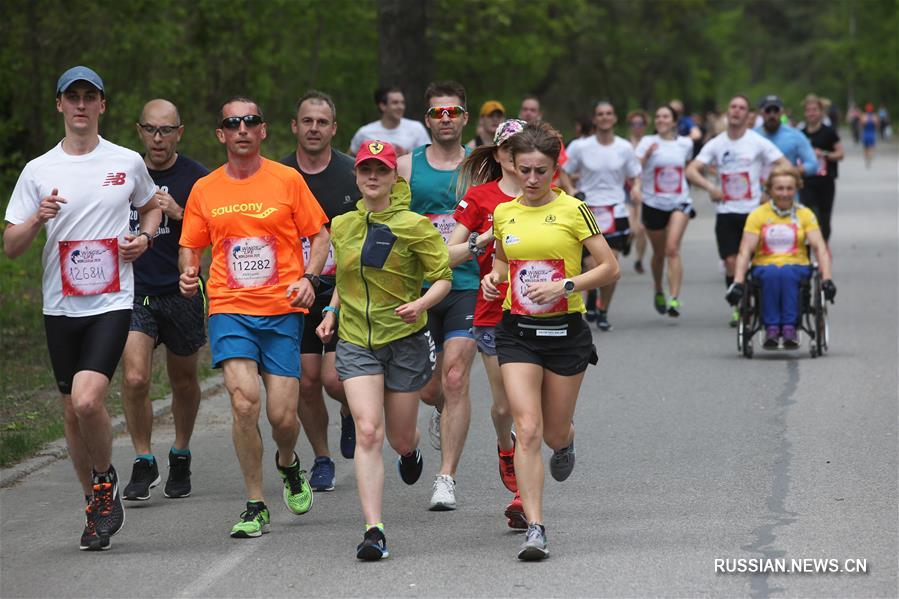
(254, 226)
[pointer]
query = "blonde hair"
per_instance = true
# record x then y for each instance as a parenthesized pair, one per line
(815, 99)
(783, 171)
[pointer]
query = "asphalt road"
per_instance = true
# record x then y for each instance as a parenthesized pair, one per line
(687, 452)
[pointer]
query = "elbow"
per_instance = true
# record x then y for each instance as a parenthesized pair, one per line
(614, 271)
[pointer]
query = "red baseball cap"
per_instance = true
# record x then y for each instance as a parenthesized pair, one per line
(377, 150)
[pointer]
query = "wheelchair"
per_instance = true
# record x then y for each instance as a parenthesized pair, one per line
(813, 319)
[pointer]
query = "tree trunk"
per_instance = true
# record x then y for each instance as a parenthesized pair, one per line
(404, 54)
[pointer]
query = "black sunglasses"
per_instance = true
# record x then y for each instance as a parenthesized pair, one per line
(772, 109)
(250, 120)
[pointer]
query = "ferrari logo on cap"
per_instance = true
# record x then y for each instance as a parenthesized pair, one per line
(375, 147)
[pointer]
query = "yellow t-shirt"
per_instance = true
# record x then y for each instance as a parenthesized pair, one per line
(781, 238)
(543, 244)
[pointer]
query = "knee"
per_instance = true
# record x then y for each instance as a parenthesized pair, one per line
(244, 410)
(368, 435)
(528, 435)
(86, 405)
(332, 385)
(283, 420)
(138, 380)
(557, 439)
(403, 443)
(455, 380)
(672, 252)
(310, 384)
(500, 410)
(184, 382)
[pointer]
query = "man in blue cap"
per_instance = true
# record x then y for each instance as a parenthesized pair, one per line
(792, 142)
(81, 193)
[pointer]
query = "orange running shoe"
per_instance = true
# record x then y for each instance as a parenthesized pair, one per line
(507, 467)
(515, 514)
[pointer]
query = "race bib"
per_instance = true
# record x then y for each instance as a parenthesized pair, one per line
(524, 273)
(330, 268)
(444, 223)
(736, 186)
(780, 239)
(605, 218)
(89, 267)
(251, 261)
(668, 179)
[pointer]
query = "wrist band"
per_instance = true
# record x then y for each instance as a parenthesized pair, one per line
(336, 311)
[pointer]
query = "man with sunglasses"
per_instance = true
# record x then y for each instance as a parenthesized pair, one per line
(161, 314)
(795, 146)
(330, 176)
(253, 212)
(79, 193)
(404, 134)
(432, 171)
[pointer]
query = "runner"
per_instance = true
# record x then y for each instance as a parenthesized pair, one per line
(489, 177)
(530, 112)
(869, 124)
(161, 314)
(542, 342)
(403, 133)
(385, 354)
(431, 171)
(667, 207)
(819, 189)
(739, 155)
(492, 113)
(636, 127)
(79, 193)
(253, 211)
(791, 142)
(329, 175)
(604, 163)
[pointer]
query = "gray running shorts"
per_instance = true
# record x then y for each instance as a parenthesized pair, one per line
(485, 337)
(407, 364)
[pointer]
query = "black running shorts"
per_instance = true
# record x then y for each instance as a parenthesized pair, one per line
(565, 355)
(729, 232)
(178, 322)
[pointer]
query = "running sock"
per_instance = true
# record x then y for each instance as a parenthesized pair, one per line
(258, 502)
(728, 281)
(146, 456)
(591, 299)
(379, 525)
(177, 451)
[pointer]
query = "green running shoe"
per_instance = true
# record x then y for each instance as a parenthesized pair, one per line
(659, 302)
(297, 492)
(254, 521)
(673, 307)
(735, 317)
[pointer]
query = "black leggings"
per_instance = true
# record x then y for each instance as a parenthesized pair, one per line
(818, 194)
(86, 343)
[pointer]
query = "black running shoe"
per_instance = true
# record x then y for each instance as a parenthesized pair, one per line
(178, 482)
(90, 540)
(410, 466)
(602, 321)
(106, 504)
(590, 315)
(347, 436)
(373, 546)
(144, 476)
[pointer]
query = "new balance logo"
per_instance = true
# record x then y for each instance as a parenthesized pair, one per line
(114, 179)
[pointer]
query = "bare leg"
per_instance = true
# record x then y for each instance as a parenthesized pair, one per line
(89, 404)
(524, 383)
(185, 395)
(657, 265)
(281, 394)
(311, 406)
(500, 412)
(137, 362)
(675, 233)
(458, 355)
(365, 396)
(242, 382)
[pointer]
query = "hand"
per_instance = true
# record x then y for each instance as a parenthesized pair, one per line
(819, 152)
(168, 204)
(489, 286)
(133, 247)
(546, 292)
(189, 281)
(830, 290)
(652, 148)
(304, 292)
(49, 206)
(486, 238)
(410, 312)
(715, 194)
(325, 330)
(734, 293)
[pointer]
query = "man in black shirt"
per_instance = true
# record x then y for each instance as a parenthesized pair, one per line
(161, 314)
(331, 179)
(818, 190)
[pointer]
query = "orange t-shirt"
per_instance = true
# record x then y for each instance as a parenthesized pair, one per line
(254, 226)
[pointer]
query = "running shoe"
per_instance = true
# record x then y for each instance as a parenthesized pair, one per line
(771, 336)
(254, 521)
(638, 267)
(347, 436)
(534, 547)
(144, 476)
(791, 341)
(321, 478)
(434, 429)
(590, 315)
(674, 307)
(106, 504)
(297, 492)
(410, 466)
(178, 483)
(90, 540)
(515, 513)
(602, 321)
(659, 302)
(734, 318)
(373, 546)
(562, 462)
(507, 467)
(444, 497)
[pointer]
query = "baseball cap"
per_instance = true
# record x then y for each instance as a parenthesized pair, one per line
(770, 100)
(79, 73)
(507, 129)
(492, 106)
(377, 150)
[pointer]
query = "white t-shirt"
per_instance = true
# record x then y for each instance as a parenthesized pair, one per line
(739, 164)
(407, 135)
(663, 180)
(603, 170)
(99, 189)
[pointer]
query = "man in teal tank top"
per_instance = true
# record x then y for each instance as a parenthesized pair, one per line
(431, 171)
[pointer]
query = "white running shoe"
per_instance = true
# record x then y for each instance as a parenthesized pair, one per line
(444, 497)
(434, 429)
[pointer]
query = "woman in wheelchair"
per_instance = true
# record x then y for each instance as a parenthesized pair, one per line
(776, 239)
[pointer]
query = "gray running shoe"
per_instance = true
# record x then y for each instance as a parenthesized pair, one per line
(562, 462)
(434, 429)
(444, 497)
(534, 547)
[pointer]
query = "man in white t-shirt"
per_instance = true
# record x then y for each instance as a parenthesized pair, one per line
(739, 156)
(81, 193)
(603, 163)
(403, 133)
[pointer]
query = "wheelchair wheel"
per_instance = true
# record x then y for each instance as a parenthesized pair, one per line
(819, 315)
(745, 328)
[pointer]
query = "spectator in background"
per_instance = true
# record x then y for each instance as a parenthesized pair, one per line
(492, 114)
(404, 134)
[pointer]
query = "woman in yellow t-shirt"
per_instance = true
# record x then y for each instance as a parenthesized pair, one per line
(776, 233)
(542, 341)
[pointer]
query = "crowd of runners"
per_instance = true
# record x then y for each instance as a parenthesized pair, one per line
(375, 277)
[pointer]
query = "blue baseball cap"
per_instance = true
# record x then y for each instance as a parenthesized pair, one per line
(79, 73)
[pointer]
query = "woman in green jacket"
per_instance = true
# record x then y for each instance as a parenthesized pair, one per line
(385, 354)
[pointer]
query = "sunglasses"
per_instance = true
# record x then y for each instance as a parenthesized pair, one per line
(250, 120)
(772, 109)
(164, 130)
(438, 112)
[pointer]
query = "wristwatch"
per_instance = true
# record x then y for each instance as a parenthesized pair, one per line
(568, 287)
(149, 238)
(314, 279)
